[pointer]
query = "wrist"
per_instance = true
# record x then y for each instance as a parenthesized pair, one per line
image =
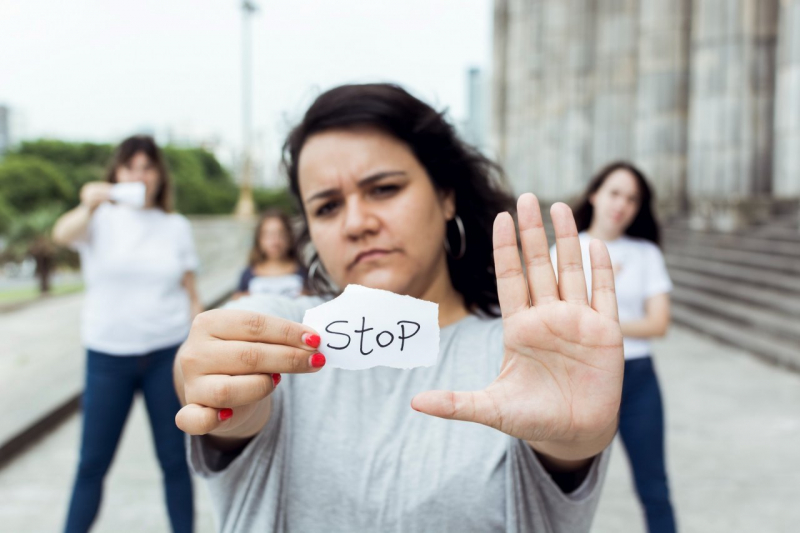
(569, 454)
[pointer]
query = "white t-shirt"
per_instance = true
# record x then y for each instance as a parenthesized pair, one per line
(133, 263)
(639, 273)
(289, 285)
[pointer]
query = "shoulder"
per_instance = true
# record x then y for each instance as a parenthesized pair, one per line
(647, 248)
(178, 220)
(276, 305)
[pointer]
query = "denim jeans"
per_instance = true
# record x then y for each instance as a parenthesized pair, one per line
(641, 427)
(111, 382)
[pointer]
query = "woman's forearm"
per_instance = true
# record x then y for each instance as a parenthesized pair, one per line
(571, 456)
(644, 328)
(655, 322)
(72, 225)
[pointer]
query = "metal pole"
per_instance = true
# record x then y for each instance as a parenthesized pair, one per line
(245, 207)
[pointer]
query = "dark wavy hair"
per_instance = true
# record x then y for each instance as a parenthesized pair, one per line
(451, 164)
(644, 225)
(145, 144)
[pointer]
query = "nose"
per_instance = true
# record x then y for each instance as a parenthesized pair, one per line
(359, 221)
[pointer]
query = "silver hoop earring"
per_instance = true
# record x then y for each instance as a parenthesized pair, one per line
(462, 249)
(315, 285)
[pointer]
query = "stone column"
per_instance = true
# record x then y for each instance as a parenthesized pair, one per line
(786, 162)
(575, 107)
(731, 102)
(499, 80)
(615, 74)
(662, 99)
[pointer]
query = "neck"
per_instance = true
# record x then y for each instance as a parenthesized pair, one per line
(604, 234)
(276, 261)
(442, 292)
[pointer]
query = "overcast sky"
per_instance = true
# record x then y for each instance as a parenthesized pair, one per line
(100, 69)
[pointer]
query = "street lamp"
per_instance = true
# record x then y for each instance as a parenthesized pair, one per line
(245, 207)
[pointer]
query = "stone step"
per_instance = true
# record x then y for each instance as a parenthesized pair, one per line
(761, 296)
(752, 276)
(767, 321)
(789, 265)
(735, 242)
(777, 232)
(779, 352)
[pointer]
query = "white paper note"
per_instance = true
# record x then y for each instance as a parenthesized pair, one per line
(130, 193)
(363, 328)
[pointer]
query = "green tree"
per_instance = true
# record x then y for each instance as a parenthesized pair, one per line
(28, 183)
(29, 236)
(274, 199)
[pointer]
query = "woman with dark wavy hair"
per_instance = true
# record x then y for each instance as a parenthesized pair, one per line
(392, 199)
(617, 209)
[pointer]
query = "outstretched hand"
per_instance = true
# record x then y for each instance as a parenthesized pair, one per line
(561, 377)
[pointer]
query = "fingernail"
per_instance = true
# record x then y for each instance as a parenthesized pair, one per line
(311, 340)
(317, 360)
(276, 378)
(225, 414)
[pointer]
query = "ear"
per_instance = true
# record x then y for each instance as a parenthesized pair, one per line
(591, 199)
(447, 202)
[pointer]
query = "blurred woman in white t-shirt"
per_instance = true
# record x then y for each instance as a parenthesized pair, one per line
(617, 209)
(138, 262)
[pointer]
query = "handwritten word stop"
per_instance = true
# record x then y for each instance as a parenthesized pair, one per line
(363, 328)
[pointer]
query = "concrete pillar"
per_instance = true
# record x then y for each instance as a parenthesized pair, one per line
(786, 162)
(499, 80)
(514, 86)
(615, 75)
(662, 96)
(574, 109)
(731, 99)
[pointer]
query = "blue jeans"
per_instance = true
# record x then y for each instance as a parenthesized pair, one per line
(111, 382)
(641, 427)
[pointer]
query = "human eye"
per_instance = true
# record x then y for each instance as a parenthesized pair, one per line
(327, 208)
(384, 190)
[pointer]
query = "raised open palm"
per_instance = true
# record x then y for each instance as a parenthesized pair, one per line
(561, 377)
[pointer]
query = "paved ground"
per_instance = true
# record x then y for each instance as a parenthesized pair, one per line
(734, 429)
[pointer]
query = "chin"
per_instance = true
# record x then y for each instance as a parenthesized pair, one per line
(384, 279)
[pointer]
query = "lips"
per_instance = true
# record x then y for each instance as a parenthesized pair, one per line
(366, 255)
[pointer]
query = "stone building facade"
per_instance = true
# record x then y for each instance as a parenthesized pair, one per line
(704, 95)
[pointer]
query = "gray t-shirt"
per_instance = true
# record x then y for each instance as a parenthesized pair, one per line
(345, 452)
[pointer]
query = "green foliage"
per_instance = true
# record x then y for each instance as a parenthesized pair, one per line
(28, 183)
(28, 235)
(200, 183)
(46, 172)
(6, 216)
(275, 199)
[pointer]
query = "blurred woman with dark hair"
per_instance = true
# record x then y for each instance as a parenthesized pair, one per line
(391, 199)
(617, 209)
(138, 262)
(272, 267)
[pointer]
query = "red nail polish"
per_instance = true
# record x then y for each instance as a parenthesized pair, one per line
(276, 378)
(311, 340)
(317, 360)
(225, 414)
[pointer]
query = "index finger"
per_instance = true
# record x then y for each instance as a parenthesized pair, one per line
(241, 325)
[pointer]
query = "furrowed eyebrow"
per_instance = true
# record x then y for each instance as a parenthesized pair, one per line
(361, 183)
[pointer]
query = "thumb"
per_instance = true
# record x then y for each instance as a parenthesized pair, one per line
(467, 406)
